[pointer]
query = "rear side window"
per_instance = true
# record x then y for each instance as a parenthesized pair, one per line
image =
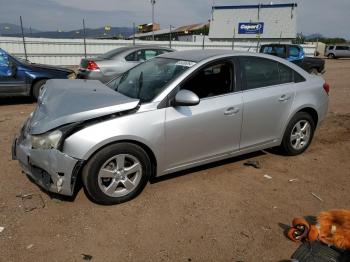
(274, 50)
(342, 48)
(260, 72)
(286, 74)
(294, 51)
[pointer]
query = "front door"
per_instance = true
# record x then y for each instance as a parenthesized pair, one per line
(10, 82)
(211, 128)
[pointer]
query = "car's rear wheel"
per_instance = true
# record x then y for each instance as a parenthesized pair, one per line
(117, 173)
(298, 134)
(37, 87)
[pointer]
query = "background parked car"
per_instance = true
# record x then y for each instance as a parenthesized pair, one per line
(115, 62)
(296, 55)
(19, 77)
(337, 51)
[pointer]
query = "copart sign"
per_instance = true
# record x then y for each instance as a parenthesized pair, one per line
(250, 28)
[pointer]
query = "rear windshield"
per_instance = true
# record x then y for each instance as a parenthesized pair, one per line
(112, 53)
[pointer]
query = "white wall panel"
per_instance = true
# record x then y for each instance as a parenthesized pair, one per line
(70, 51)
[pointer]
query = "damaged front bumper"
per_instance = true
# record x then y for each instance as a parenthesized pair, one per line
(49, 168)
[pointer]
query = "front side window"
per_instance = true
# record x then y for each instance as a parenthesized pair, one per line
(331, 47)
(212, 80)
(141, 55)
(149, 79)
(5, 68)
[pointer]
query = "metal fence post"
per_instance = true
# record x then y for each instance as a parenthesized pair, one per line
(84, 37)
(280, 38)
(170, 37)
(24, 41)
(233, 38)
(133, 28)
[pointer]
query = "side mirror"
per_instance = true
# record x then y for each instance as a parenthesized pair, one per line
(13, 67)
(186, 98)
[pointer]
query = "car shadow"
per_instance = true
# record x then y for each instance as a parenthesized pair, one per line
(16, 100)
(206, 166)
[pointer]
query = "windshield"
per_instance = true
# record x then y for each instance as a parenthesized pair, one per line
(149, 79)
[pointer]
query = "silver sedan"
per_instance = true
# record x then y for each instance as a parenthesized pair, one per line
(171, 113)
(115, 62)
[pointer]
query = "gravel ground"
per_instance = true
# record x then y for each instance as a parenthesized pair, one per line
(220, 212)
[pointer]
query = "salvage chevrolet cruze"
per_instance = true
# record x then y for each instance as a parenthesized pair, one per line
(171, 113)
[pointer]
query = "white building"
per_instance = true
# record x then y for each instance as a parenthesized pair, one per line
(264, 23)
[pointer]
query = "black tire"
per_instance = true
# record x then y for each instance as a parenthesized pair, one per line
(287, 145)
(314, 71)
(91, 170)
(331, 56)
(37, 87)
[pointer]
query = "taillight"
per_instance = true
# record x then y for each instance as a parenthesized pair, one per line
(92, 66)
(326, 87)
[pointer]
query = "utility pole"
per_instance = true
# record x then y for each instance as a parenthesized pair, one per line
(84, 37)
(24, 41)
(133, 29)
(153, 2)
(170, 37)
(233, 38)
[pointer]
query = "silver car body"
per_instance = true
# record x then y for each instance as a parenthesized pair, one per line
(176, 138)
(117, 63)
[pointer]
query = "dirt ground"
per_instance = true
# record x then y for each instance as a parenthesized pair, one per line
(221, 212)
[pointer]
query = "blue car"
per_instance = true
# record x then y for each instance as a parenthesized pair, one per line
(19, 77)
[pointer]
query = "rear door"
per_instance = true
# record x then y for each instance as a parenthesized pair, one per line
(268, 95)
(211, 128)
(341, 51)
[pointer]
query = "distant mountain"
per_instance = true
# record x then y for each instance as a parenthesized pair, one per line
(14, 30)
(314, 36)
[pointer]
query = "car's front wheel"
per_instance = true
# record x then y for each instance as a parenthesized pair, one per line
(331, 56)
(298, 134)
(117, 173)
(37, 87)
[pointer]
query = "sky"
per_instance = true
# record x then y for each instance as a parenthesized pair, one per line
(330, 18)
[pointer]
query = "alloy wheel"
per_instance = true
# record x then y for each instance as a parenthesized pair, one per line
(300, 135)
(120, 175)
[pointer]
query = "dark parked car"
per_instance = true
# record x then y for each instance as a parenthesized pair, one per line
(19, 77)
(117, 61)
(296, 55)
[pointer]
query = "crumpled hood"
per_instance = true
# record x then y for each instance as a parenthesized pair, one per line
(67, 101)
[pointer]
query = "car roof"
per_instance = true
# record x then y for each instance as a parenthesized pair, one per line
(199, 55)
(135, 47)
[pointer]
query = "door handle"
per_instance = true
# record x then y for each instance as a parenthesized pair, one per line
(231, 111)
(283, 98)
